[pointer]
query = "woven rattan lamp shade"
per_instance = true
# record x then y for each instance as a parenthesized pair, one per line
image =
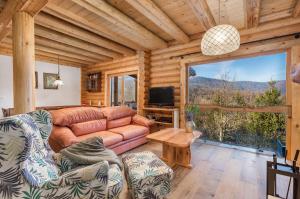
(219, 40)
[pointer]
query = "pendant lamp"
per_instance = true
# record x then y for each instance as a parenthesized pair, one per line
(220, 39)
(58, 81)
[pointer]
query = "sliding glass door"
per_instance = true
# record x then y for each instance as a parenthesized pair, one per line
(123, 90)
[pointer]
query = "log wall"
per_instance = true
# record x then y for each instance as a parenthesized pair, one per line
(139, 62)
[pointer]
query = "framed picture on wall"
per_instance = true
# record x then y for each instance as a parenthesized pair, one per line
(49, 79)
(36, 80)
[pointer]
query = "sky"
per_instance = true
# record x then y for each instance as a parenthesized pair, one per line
(258, 69)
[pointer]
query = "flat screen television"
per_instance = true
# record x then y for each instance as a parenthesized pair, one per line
(161, 96)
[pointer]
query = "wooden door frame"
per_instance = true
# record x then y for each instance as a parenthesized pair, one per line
(112, 73)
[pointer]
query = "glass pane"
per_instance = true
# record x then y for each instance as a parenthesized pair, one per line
(130, 90)
(236, 84)
(116, 91)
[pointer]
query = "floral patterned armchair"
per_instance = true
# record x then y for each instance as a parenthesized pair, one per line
(30, 170)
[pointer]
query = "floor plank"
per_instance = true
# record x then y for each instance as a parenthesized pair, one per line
(219, 173)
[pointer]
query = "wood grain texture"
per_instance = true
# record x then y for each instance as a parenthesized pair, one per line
(114, 16)
(23, 62)
(12, 7)
(150, 10)
(218, 172)
(202, 12)
(295, 97)
(296, 11)
(252, 8)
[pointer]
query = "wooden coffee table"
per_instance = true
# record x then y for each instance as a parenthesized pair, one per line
(176, 145)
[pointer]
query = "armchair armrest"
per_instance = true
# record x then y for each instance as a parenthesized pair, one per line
(86, 174)
(63, 163)
(137, 119)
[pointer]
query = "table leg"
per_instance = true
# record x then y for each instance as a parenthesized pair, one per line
(183, 157)
(169, 155)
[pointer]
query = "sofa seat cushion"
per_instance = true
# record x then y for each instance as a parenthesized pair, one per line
(118, 122)
(130, 131)
(108, 137)
(88, 127)
(117, 112)
(69, 116)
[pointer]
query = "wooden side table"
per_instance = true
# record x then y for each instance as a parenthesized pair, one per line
(176, 145)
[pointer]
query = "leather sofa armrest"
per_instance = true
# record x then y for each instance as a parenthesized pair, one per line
(137, 119)
(63, 136)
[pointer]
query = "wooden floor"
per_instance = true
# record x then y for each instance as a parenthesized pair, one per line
(218, 172)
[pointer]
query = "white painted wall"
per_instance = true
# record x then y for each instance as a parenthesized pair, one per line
(69, 94)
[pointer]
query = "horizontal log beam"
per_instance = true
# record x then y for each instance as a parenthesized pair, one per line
(151, 11)
(131, 28)
(13, 6)
(252, 10)
(103, 31)
(44, 56)
(53, 44)
(66, 28)
(203, 13)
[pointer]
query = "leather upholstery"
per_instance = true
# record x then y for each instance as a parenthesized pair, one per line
(130, 131)
(63, 136)
(69, 129)
(117, 112)
(140, 120)
(68, 116)
(88, 127)
(108, 137)
(118, 122)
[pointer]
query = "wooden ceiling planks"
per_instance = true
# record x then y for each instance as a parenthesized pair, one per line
(203, 13)
(11, 7)
(130, 27)
(100, 30)
(296, 10)
(84, 23)
(151, 11)
(252, 11)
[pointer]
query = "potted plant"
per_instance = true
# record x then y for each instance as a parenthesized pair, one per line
(191, 111)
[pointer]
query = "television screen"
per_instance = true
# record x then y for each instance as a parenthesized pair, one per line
(161, 96)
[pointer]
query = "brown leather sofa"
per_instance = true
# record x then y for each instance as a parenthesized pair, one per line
(120, 127)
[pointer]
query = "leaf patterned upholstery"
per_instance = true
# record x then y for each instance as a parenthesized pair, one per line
(28, 170)
(147, 175)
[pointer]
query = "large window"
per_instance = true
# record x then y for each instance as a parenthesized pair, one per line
(228, 90)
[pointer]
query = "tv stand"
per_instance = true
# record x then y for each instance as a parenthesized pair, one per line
(164, 116)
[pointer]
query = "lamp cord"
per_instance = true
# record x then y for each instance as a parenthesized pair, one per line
(58, 64)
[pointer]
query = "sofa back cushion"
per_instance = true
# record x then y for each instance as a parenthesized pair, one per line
(117, 112)
(69, 116)
(88, 127)
(119, 122)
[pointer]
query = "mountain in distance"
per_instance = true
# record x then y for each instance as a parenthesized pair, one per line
(249, 86)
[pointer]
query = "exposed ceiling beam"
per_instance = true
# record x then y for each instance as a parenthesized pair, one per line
(275, 16)
(67, 40)
(202, 12)
(265, 31)
(130, 27)
(296, 11)
(54, 44)
(152, 12)
(13, 6)
(252, 10)
(82, 22)
(6, 49)
(74, 31)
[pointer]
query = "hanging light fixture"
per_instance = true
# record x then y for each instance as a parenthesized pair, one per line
(58, 81)
(220, 39)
